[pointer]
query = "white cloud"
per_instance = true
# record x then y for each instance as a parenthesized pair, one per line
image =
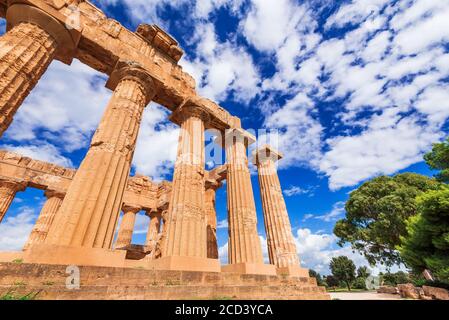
(42, 151)
(338, 209)
(379, 151)
(221, 68)
(157, 143)
(296, 190)
(14, 231)
(56, 109)
(316, 251)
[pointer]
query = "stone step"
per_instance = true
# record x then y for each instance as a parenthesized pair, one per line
(128, 283)
(165, 292)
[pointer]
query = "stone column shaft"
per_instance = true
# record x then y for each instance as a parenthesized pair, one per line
(45, 219)
(281, 244)
(153, 230)
(126, 230)
(8, 190)
(186, 225)
(26, 51)
(244, 243)
(91, 208)
(211, 217)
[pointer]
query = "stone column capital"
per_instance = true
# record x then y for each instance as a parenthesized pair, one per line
(234, 135)
(14, 185)
(53, 22)
(130, 70)
(50, 193)
(266, 153)
(190, 108)
(131, 208)
(152, 213)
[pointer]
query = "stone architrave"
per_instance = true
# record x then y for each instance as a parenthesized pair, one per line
(186, 243)
(244, 247)
(33, 40)
(91, 208)
(8, 190)
(46, 217)
(126, 230)
(280, 241)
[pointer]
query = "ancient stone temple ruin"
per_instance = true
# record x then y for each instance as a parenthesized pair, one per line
(79, 219)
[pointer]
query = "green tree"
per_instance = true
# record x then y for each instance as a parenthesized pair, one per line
(343, 269)
(427, 244)
(363, 272)
(393, 279)
(438, 159)
(376, 215)
(317, 276)
(332, 282)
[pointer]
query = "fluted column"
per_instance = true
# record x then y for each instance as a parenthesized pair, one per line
(8, 190)
(211, 220)
(45, 219)
(156, 253)
(186, 225)
(281, 244)
(91, 208)
(126, 230)
(244, 244)
(153, 230)
(26, 51)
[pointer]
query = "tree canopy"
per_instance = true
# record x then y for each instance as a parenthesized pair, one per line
(376, 215)
(343, 269)
(427, 244)
(438, 159)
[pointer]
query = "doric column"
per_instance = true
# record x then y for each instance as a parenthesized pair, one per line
(281, 244)
(186, 225)
(244, 247)
(157, 252)
(244, 243)
(91, 208)
(126, 230)
(26, 50)
(153, 230)
(211, 219)
(8, 190)
(46, 217)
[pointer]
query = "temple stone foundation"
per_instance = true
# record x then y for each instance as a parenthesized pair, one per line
(78, 224)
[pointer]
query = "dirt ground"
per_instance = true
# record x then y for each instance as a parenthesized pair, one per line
(369, 295)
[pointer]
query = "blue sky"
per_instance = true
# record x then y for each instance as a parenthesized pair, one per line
(356, 89)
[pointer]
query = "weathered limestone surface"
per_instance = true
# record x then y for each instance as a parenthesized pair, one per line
(213, 182)
(126, 230)
(46, 176)
(244, 243)
(281, 244)
(90, 210)
(186, 225)
(131, 283)
(25, 53)
(8, 190)
(153, 230)
(46, 217)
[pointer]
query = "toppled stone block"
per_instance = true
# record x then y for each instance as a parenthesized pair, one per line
(436, 293)
(388, 290)
(408, 290)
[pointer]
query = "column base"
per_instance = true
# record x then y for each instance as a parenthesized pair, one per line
(180, 263)
(293, 271)
(250, 268)
(65, 255)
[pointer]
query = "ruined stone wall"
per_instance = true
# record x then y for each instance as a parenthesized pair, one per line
(140, 190)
